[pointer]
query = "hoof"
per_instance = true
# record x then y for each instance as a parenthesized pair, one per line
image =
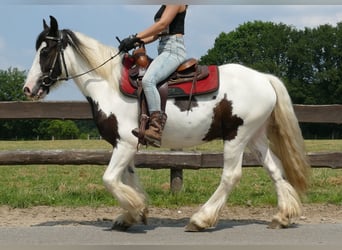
(275, 224)
(191, 227)
(125, 221)
(144, 215)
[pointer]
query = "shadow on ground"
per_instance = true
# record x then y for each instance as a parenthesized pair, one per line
(153, 223)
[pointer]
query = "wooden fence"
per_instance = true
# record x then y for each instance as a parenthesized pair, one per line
(176, 161)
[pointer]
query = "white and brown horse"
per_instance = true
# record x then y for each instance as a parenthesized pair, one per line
(250, 109)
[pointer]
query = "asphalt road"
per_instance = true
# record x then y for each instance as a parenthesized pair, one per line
(227, 233)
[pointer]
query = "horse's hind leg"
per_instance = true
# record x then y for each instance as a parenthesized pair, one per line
(289, 204)
(207, 216)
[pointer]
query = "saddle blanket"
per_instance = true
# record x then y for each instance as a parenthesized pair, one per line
(183, 89)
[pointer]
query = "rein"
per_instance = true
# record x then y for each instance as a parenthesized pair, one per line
(84, 73)
(60, 53)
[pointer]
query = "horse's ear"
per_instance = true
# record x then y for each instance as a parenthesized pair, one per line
(53, 25)
(45, 26)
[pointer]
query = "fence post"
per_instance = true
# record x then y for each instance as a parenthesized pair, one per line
(176, 177)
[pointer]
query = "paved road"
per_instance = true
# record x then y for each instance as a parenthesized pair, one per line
(228, 233)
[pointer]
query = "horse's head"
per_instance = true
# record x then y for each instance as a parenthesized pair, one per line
(47, 67)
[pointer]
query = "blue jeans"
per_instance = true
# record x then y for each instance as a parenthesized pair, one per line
(171, 53)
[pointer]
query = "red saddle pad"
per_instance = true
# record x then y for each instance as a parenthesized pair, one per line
(204, 86)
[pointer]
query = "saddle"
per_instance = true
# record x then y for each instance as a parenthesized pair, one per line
(190, 79)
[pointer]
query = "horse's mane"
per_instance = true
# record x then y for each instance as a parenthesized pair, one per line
(95, 53)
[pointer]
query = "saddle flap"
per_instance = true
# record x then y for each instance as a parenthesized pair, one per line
(208, 84)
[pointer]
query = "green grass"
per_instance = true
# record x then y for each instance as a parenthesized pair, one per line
(25, 186)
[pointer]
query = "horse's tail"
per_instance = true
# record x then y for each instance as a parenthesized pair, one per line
(286, 138)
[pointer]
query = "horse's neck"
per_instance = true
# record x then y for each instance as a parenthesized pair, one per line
(99, 82)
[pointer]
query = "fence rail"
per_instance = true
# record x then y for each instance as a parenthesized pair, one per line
(81, 111)
(176, 161)
(148, 159)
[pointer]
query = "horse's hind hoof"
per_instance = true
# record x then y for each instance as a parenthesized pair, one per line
(191, 227)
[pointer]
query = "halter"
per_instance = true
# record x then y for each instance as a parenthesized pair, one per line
(60, 54)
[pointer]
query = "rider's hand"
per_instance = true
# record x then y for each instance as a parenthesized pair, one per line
(129, 43)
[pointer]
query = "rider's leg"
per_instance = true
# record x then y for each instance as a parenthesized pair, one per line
(171, 55)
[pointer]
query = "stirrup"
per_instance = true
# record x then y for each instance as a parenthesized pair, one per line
(142, 139)
(152, 142)
(140, 132)
(141, 136)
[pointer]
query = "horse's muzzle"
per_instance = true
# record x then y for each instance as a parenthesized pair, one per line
(35, 92)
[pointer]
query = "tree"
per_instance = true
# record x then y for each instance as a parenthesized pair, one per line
(259, 45)
(327, 45)
(87, 129)
(11, 82)
(58, 129)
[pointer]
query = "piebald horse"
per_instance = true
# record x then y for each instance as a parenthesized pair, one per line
(250, 109)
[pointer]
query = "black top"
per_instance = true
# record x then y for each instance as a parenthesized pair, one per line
(177, 24)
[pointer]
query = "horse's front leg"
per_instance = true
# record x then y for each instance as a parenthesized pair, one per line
(120, 181)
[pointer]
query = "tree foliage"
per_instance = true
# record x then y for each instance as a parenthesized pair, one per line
(58, 129)
(11, 82)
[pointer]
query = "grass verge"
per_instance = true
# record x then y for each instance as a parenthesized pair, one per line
(25, 186)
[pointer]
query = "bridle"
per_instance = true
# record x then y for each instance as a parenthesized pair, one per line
(47, 79)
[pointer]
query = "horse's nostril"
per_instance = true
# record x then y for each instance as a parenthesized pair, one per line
(27, 91)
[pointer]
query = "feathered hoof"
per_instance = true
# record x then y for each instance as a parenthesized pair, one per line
(278, 224)
(126, 220)
(192, 227)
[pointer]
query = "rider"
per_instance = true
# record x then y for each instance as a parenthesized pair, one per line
(169, 28)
